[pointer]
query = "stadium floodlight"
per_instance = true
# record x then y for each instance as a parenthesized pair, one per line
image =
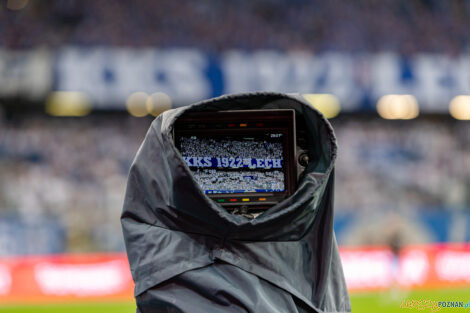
(68, 103)
(140, 104)
(459, 107)
(137, 104)
(398, 107)
(157, 103)
(327, 104)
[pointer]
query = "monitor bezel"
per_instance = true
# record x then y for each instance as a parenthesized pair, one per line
(279, 120)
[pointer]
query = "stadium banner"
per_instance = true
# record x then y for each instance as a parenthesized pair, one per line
(108, 76)
(414, 267)
(65, 278)
(233, 162)
(25, 74)
(77, 277)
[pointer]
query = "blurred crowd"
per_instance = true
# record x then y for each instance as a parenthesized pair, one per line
(69, 171)
(73, 171)
(404, 26)
(403, 165)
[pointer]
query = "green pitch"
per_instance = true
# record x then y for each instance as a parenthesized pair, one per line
(384, 302)
(86, 307)
(391, 301)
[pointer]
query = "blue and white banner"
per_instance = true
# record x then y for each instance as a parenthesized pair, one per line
(25, 74)
(233, 162)
(108, 76)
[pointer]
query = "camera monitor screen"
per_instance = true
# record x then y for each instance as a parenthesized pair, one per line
(240, 158)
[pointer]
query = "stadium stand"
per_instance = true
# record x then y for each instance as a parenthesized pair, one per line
(72, 172)
(62, 179)
(431, 25)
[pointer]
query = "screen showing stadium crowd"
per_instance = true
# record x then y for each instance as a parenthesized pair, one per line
(216, 163)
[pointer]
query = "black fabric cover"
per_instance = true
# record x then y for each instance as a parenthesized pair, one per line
(188, 254)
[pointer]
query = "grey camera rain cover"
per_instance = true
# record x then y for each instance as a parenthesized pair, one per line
(188, 254)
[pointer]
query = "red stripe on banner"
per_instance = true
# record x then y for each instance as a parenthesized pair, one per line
(65, 277)
(424, 266)
(73, 277)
